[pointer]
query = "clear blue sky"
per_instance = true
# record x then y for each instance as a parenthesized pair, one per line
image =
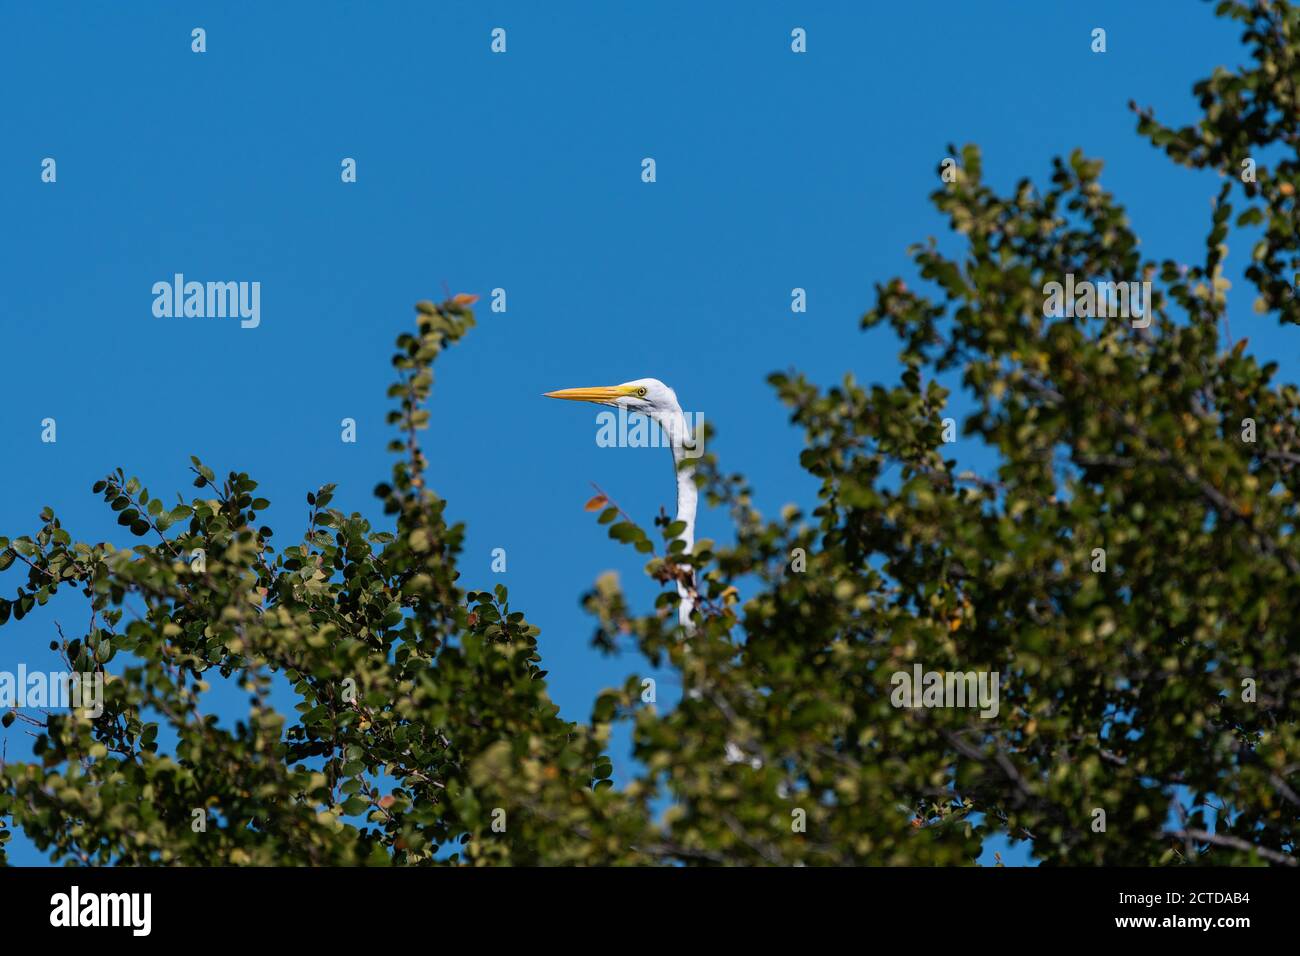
(519, 171)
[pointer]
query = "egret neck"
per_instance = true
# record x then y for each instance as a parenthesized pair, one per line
(687, 498)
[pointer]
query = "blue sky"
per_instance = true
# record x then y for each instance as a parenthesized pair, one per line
(519, 171)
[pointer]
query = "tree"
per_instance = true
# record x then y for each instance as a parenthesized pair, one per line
(1124, 571)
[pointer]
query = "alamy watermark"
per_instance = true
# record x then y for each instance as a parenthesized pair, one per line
(75, 908)
(1101, 300)
(633, 429)
(922, 688)
(53, 690)
(211, 300)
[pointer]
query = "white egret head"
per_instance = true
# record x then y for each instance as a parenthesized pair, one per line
(649, 396)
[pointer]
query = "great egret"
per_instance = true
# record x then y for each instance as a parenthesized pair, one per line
(658, 402)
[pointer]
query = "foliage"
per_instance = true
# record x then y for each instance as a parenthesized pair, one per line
(1121, 690)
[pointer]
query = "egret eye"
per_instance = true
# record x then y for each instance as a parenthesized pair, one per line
(640, 392)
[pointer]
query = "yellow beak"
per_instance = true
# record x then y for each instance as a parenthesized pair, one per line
(600, 394)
